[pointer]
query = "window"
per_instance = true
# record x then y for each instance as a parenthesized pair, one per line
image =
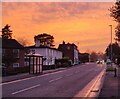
(33, 51)
(68, 47)
(16, 53)
(15, 64)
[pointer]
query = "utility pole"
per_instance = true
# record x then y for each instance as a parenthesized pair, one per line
(111, 43)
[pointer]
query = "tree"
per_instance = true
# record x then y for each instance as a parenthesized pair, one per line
(93, 56)
(115, 51)
(45, 39)
(101, 55)
(64, 62)
(115, 13)
(6, 32)
(9, 58)
(83, 57)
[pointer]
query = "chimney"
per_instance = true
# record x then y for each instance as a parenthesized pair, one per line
(64, 42)
(37, 42)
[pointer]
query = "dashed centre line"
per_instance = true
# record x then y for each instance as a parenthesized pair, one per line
(25, 89)
(68, 75)
(55, 79)
(37, 85)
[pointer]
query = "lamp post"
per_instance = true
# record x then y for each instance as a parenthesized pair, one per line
(111, 44)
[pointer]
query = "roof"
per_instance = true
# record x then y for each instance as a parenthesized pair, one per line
(42, 47)
(11, 43)
(68, 44)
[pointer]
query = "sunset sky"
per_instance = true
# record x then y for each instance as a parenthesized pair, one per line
(84, 23)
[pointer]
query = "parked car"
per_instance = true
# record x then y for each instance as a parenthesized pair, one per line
(108, 62)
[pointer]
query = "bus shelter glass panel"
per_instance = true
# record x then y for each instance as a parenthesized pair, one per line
(41, 64)
(35, 65)
(31, 65)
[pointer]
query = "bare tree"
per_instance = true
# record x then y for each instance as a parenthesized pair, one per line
(23, 41)
(93, 56)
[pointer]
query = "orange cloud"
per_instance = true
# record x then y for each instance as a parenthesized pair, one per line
(86, 23)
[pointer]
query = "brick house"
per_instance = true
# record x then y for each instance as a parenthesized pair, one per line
(71, 51)
(12, 55)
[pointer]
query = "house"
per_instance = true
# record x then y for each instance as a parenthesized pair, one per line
(49, 54)
(71, 51)
(12, 54)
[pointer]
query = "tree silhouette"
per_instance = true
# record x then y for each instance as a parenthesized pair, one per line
(83, 57)
(93, 56)
(6, 32)
(115, 51)
(45, 39)
(23, 41)
(9, 58)
(115, 13)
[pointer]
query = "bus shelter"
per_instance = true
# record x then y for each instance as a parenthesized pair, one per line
(35, 63)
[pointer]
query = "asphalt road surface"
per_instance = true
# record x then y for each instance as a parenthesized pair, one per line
(65, 83)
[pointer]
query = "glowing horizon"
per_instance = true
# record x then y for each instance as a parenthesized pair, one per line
(84, 23)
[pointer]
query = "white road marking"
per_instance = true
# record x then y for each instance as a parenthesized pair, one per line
(94, 84)
(33, 77)
(29, 78)
(55, 79)
(25, 89)
(86, 91)
(16, 81)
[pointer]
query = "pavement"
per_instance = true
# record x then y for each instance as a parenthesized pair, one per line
(111, 85)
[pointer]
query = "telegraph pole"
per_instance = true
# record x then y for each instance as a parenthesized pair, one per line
(111, 43)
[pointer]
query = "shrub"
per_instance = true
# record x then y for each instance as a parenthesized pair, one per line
(111, 69)
(64, 62)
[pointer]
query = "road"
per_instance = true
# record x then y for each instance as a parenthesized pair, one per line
(65, 83)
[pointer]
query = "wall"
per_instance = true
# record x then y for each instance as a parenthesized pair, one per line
(76, 59)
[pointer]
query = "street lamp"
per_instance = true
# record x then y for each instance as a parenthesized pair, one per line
(111, 43)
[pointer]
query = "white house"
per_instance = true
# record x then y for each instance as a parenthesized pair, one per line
(49, 54)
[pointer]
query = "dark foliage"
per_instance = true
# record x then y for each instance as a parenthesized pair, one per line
(115, 52)
(45, 39)
(115, 13)
(64, 62)
(6, 32)
(9, 58)
(84, 57)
